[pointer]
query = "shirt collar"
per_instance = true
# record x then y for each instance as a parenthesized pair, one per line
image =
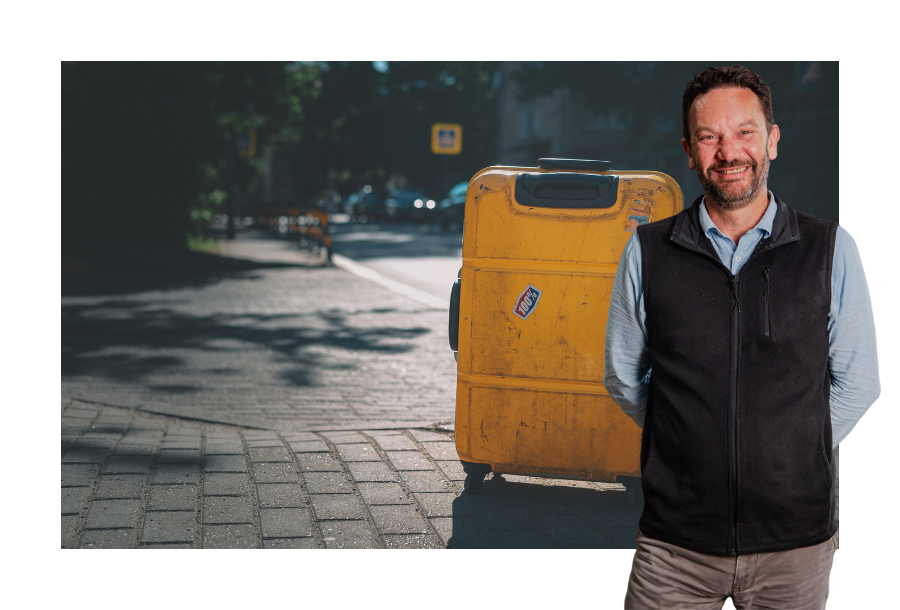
(764, 224)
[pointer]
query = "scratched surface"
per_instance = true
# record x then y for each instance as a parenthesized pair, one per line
(530, 395)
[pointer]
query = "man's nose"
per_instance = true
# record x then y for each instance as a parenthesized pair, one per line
(728, 149)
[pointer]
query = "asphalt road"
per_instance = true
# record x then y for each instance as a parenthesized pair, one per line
(418, 255)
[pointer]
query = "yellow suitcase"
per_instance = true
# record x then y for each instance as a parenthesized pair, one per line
(528, 318)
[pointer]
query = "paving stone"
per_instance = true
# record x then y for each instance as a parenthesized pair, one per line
(74, 499)
(68, 523)
(409, 460)
(169, 526)
(309, 446)
(440, 505)
(395, 442)
(504, 519)
(177, 473)
(348, 535)
(269, 454)
(109, 514)
(108, 539)
(382, 493)
(84, 455)
(120, 486)
(274, 472)
(226, 509)
(292, 437)
(327, 483)
(409, 541)
(226, 484)
(128, 464)
(262, 441)
(397, 520)
(172, 497)
(424, 480)
(136, 447)
(423, 436)
(290, 543)
(358, 453)
(167, 545)
(279, 495)
(462, 533)
(524, 539)
(318, 462)
(344, 437)
(79, 475)
(179, 456)
(190, 448)
(229, 448)
(336, 506)
(441, 451)
(572, 532)
(224, 463)
(230, 537)
(285, 522)
(371, 471)
(453, 470)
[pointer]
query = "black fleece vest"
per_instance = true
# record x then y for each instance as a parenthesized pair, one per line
(736, 452)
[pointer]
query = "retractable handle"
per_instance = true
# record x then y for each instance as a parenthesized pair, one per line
(586, 165)
(568, 189)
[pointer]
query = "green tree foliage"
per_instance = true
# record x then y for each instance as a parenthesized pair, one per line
(145, 143)
(366, 125)
(149, 146)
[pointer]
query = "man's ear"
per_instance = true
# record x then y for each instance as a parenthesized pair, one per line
(687, 149)
(772, 146)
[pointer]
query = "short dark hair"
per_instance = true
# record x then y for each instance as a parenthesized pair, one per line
(717, 78)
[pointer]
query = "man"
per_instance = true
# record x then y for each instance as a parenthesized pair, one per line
(741, 339)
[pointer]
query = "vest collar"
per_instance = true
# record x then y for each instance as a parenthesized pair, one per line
(688, 232)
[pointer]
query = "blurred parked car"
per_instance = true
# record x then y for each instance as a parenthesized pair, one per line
(364, 205)
(409, 205)
(451, 209)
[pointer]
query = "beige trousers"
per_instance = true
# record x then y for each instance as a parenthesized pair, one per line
(667, 576)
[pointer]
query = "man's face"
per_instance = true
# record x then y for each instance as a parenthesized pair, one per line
(730, 148)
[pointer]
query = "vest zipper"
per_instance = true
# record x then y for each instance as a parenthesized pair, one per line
(734, 547)
(766, 297)
(735, 355)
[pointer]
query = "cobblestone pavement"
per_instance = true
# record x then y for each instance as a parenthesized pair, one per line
(285, 404)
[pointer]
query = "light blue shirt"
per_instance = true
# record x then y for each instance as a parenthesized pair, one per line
(853, 359)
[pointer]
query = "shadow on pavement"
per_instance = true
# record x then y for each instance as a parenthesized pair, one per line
(516, 515)
(166, 271)
(116, 339)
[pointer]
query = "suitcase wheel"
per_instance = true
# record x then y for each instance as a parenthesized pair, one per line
(473, 482)
(475, 474)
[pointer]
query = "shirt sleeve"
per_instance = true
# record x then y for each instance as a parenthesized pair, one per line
(853, 357)
(626, 353)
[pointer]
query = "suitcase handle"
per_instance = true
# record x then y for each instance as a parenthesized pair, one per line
(567, 190)
(584, 165)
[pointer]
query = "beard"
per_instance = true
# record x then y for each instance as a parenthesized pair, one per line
(734, 200)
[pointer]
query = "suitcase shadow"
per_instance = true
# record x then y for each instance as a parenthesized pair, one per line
(520, 514)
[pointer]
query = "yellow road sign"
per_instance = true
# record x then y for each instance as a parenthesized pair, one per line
(446, 139)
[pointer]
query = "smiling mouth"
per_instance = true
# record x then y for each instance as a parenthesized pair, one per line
(732, 170)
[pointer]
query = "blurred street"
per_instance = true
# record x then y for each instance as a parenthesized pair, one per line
(255, 396)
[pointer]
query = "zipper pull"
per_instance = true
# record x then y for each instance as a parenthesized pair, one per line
(766, 277)
(734, 290)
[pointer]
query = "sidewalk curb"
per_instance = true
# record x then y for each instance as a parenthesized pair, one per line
(367, 273)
